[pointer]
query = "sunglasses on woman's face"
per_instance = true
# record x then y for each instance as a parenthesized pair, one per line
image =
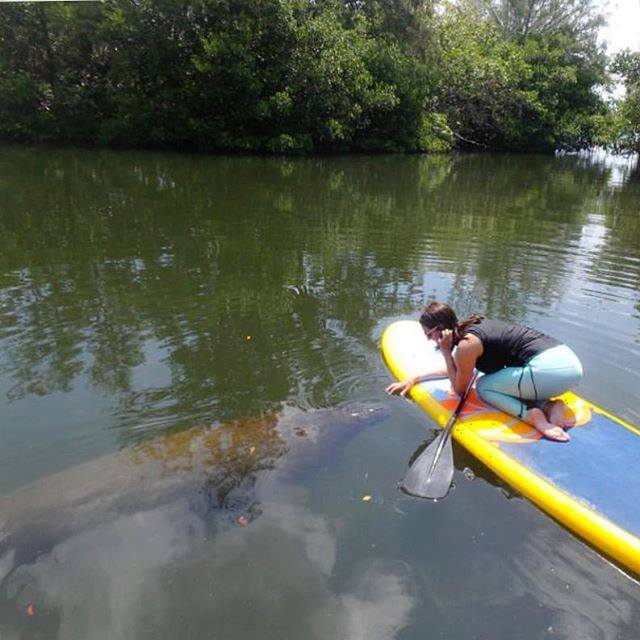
(430, 332)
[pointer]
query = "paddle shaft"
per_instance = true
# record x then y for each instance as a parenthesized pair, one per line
(450, 423)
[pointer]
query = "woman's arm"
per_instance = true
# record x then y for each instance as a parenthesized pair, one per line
(403, 387)
(461, 365)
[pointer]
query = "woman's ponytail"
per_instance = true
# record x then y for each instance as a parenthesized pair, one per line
(463, 325)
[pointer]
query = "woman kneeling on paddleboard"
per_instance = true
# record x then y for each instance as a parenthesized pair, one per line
(523, 368)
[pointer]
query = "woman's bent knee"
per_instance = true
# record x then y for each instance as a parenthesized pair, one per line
(503, 402)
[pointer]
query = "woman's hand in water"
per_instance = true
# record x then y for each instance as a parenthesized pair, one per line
(445, 341)
(401, 388)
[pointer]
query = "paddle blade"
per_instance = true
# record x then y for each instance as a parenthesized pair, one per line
(422, 481)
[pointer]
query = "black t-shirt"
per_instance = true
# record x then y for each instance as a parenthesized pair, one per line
(507, 344)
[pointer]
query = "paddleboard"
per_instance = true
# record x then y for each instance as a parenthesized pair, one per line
(589, 484)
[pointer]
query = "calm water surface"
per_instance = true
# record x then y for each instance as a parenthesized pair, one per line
(182, 339)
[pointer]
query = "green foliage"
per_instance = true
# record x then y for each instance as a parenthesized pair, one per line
(434, 134)
(565, 72)
(626, 65)
(332, 88)
(518, 19)
(290, 76)
(285, 143)
(535, 95)
(479, 92)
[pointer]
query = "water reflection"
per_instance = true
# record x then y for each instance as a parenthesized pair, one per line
(539, 584)
(102, 549)
(155, 574)
(111, 260)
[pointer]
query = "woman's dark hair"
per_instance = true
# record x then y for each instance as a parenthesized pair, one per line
(441, 316)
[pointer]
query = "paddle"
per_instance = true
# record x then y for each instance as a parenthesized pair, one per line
(431, 473)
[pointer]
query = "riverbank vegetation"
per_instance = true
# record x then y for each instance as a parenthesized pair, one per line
(627, 135)
(296, 76)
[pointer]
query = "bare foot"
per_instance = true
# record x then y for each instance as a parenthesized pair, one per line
(554, 433)
(554, 411)
(538, 419)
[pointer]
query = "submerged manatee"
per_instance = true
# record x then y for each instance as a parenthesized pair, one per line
(221, 471)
